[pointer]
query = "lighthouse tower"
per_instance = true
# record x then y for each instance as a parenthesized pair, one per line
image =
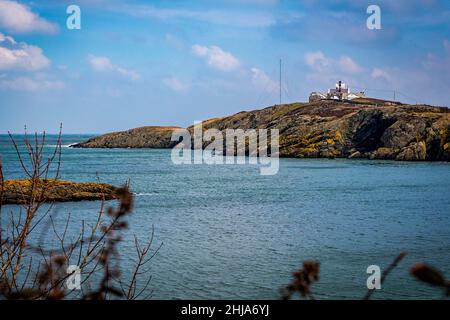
(340, 92)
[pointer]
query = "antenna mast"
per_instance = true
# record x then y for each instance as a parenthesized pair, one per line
(280, 81)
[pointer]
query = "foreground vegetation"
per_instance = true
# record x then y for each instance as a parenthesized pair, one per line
(29, 270)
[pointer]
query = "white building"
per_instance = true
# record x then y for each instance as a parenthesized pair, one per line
(317, 96)
(340, 92)
(354, 95)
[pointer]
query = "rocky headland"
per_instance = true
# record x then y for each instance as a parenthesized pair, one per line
(362, 128)
(144, 137)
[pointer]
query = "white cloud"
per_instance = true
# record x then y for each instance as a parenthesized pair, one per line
(176, 85)
(18, 18)
(130, 74)
(219, 17)
(30, 84)
(216, 57)
(262, 81)
(316, 60)
(7, 39)
(103, 64)
(325, 71)
(347, 64)
(423, 82)
(100, 64)
(378, 73)
(15, 55)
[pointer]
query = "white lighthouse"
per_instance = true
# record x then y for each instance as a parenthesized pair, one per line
(340, 92)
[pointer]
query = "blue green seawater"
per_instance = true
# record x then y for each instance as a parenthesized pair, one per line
(228, 232)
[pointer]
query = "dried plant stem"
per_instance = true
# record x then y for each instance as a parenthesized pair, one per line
(386, 272)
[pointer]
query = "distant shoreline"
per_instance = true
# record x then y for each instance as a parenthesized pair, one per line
(324, 129)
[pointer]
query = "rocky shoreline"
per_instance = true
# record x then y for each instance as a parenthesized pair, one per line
(50, 190)
(323, 129)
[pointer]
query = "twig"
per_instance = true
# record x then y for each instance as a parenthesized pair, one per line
(386, 272)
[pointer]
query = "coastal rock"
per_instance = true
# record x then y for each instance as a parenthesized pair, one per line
(384, 153)
(323, 129)
(50, 190)
(404, 132)
(144, 137)
(416, 151)
(367, 127)
(355, 155)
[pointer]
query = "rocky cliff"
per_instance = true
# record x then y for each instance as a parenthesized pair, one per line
(325, 129)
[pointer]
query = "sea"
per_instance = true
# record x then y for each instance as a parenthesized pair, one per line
(228, 232)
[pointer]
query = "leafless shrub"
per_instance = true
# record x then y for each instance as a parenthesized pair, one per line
(386, 272)
(303, 280)
(30, 271)
(431, 276)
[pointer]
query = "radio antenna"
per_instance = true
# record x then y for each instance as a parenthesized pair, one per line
(280, 81)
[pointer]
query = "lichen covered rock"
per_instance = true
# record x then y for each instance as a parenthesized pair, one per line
(324, 129)
(50, 190)
(144, 137)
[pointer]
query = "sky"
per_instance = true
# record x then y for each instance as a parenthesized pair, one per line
(135, 63)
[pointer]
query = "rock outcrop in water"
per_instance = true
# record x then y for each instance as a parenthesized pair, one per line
(50, 190)
(325, 129)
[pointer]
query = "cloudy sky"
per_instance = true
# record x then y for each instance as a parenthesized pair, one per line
(136, 63)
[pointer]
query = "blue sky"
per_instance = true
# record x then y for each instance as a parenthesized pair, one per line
(136, 63)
